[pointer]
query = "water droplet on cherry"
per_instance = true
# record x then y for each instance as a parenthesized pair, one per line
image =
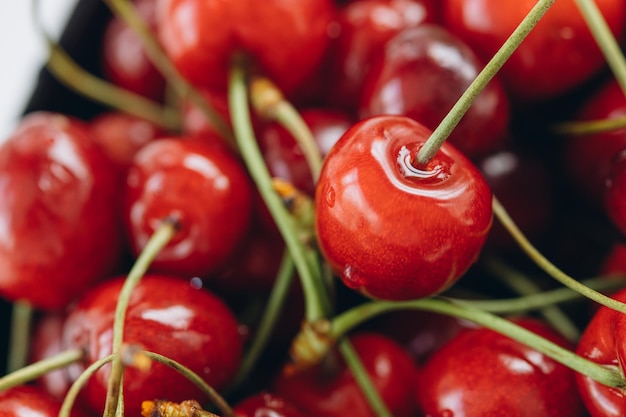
(352, 277)
(329, 192)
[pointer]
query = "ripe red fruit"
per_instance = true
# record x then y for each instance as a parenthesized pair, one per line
(603, 343)
(29, 401)
(60, 228)
(266, 404)
(559, 53)
(199, 182)
(393, 230)
(330, 389)
(285, 39)
(422, 74)
(165, 315)
(483, 373)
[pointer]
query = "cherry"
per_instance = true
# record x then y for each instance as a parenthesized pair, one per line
(559, 54)
(602, 342)
(201, 184)
(483, 373)
(266, 404)
(393, 230)
(285, 39)
(422, 74)
(60, 230)
(30, 401)
(165, 315)
(332, 391)
(589, 157)
(365, 27)
(124, 59)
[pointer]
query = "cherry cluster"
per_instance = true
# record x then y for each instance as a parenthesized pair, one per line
(324, 208)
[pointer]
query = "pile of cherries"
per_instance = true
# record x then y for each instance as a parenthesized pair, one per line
(269, 218)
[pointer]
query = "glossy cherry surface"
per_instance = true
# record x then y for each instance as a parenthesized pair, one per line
(266, 404)
(483, 373)
(422, 74)
(365, 27)
(60, 229)
(333, 392)
(124, 59)
(559, 53)
(603, 343)
(286, 39)
(201, 184)
(390, 229)
(166, 315)
(29, 401)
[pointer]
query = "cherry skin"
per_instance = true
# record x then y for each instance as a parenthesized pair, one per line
(559, 54)
(422, 74)
(204, 187)
(483, 373)
(365, 27)
(166, 315)
(60, 229)
(390, 229)
(603, 343)
(286, 39)
(124, 59)
(266, 404)
(332, 391)
(30, 401)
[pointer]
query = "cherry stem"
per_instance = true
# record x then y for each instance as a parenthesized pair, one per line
(21, 317)
(524, 285)
(605, 39)
(316, 305)
(454, 116)
(158, 241)
(270, 103)
(589, 127)
(344, 322)
(267, 324)
(35, 370)
(79, 383)
(74, 77)
(363, 379)
(213, 395)
(547, 266)
(126, 11)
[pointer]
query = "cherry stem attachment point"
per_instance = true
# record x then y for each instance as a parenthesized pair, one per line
(454, 116)
(21, 321)
(547, 266)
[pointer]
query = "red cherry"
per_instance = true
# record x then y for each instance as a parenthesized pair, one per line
(266, 404)
(365, 27)
(124, 59)
(559, 53)
(60, 230)
(483, 373)
(603, 343)
(201, 184)
(422, 74)
(165, 315)
(589, 157)
(29, 401)
(390, 229)
(332, 391)
(285, 38)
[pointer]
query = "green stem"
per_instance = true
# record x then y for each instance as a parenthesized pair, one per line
(310, 276)
(21, 318)
(79, 383)
(363, 379)
(605, 39)
(454, 116)
(35, 370)
(547, 266)
(523, 285)
(589, 127)
(268, 321)
(213, 395)
(348, 320)
(157, 241)
(125, 10)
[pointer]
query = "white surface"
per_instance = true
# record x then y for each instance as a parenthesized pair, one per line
(22, 52)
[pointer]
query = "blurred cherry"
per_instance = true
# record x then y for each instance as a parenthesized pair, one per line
(30, 401)
(266, 404)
